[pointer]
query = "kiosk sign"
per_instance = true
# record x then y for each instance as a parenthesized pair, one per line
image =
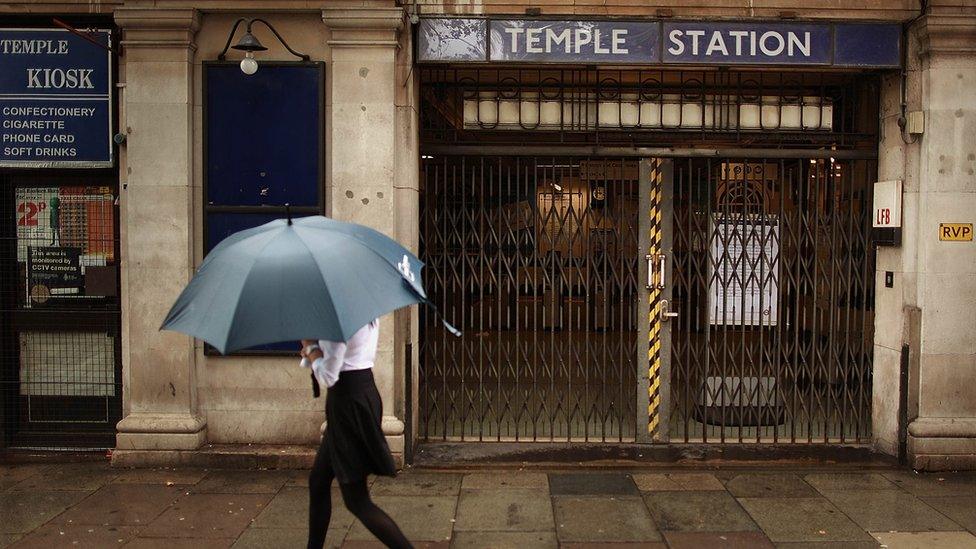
(55, 99)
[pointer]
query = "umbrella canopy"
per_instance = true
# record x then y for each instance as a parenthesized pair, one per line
(314, 278)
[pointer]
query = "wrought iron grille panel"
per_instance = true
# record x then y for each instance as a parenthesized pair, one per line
(60, 365)
(612, 106)
(773, 282)
(536, 259)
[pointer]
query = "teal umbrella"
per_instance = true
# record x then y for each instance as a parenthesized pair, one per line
(311, 278)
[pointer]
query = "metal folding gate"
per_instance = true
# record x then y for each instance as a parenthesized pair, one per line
(770, 300)
(648, 255)
(536, 258)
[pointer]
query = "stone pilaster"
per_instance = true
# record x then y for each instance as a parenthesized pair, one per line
(943, 435)
(363, 140)
(160, 404)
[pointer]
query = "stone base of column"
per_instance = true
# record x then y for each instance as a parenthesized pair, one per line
(393, 430)
(942, 444)
(143, 434)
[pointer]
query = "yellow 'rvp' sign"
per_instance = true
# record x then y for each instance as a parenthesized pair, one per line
(960, 232)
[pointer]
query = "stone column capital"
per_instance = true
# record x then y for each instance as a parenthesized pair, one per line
(363, 27)
(947, 34)
(158, 28)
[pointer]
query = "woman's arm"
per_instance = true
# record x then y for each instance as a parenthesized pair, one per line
(326, 360)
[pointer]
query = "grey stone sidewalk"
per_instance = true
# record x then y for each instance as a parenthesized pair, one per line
(93, 505)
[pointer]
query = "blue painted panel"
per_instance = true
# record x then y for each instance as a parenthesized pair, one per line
(264, 135)
(867, 45)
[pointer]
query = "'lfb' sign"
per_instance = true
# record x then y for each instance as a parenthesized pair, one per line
(956, 232)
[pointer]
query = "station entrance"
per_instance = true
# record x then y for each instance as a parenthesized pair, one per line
(647, 256)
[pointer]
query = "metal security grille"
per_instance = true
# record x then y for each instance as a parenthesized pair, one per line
(60, 365)
(536, 259)
(774, 289)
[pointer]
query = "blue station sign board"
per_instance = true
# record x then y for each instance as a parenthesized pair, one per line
(836, 44)
(55, 99)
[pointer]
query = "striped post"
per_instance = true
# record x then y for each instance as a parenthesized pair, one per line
(654, 302)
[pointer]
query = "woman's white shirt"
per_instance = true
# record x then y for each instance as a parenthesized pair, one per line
(356, 354)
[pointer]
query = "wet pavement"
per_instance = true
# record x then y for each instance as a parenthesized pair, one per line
(90, 504)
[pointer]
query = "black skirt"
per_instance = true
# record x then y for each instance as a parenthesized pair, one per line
(354, 443)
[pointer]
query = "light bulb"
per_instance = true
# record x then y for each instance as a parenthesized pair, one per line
(249, 65)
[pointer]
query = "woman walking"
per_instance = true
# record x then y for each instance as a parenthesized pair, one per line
(353, 446)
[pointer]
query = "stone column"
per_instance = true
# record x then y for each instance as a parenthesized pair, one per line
(361, 130)
(943, 435)
(160, 404)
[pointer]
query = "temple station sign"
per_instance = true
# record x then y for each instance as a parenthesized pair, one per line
(481, 40)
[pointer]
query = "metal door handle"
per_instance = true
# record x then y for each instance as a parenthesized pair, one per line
(661, 260)
(666, 312)
(655, 278)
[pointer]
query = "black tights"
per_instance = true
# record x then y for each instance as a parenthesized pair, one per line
(356, 497)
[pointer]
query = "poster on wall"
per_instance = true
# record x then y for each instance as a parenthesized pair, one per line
(66, 242)
(743, 270)
(53, 271)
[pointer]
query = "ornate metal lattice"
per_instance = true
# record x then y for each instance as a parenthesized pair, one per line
(536, 259)
(646, 107)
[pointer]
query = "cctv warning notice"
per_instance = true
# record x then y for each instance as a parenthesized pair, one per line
(55, 98)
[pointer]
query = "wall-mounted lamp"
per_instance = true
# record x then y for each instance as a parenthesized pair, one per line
(250, 44)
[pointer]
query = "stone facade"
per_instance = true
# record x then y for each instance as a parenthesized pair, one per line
(176, 398)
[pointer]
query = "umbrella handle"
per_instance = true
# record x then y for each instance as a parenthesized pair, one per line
(316, 391)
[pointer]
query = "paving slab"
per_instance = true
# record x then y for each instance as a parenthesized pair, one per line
(179, 543)
(88, 476)
(506, 480)
(362, 544)
(241, 482)
(769, 485)
(698, 512)
(960, 509)
(207, 516)
(76, 535)
(592, 484)
(667, 482)
(717, 540)
(890, 510)
(836, 482)
(25, 511)
(285, 538)
(289, 509)
(802, 519)
(504, 540)
(926, 540)
(504, 510)
(417, 484)
(12, 474)
(934, 484)
(873, 544)
(122, 504)
(603, 519)
(167, 476)
(614, 545)
(421, 519)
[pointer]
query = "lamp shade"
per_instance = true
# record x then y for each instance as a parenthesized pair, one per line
(249, 42)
